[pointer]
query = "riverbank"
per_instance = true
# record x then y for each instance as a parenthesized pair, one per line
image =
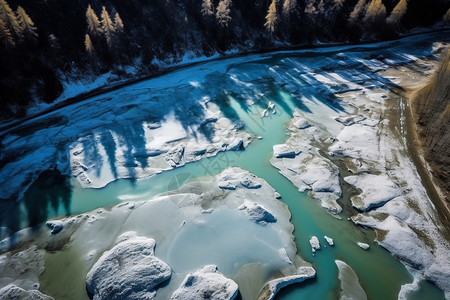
(6, 126)
(339, 98)
(430, 119)
(363, 144)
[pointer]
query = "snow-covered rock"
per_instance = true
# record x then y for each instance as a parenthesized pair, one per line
(301, 123)
(274, 286)
(206, 283)
(310, 171)
(363, 245)
(249, 183)
(315, 244)
(329, 240)
(357, 141)
(13, 292)
(376, 190)
(22, 269)
(350, 286)
(283, 150)
(258, 213)
(197, 211)
(129, 270)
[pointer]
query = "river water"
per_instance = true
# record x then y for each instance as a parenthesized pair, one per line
(380, 274)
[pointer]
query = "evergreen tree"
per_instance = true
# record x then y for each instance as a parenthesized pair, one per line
(398, 12)
(223, 12)
(271, 18)
(10, 20)
(207, 8)
(313, 9)
(118, 24)
(5, 35)
(94, 26)
(26, 24)
(107, 27)
(356, 13)
(375, 12)
(289, 7)
(88, 44)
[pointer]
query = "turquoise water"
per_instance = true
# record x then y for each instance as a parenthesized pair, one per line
(380, 274)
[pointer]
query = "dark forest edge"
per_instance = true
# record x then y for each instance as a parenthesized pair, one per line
(44, 44)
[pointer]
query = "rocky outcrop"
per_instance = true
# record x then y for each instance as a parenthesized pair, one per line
(129, 270)
(206, 283)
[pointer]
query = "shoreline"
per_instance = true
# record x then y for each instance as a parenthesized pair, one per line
(6, 126)
(417, 154)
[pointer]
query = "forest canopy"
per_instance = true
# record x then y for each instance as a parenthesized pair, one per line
(43, 43)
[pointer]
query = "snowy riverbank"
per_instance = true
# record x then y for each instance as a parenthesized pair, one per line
(358, 142)
(238, 220)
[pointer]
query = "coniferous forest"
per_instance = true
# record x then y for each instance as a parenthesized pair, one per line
(44, 43)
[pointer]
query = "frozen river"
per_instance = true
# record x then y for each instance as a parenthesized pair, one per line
(152, 137)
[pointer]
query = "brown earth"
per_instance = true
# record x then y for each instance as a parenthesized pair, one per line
(430, 109)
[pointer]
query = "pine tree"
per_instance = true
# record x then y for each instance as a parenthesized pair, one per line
(223, 12)
(398, 12)
(289, 7)
(271, 18)
(5, 35)
(26, 24)
(93, 22)
(10, 20)
(107, 27)
(375, 12)
(311, 8)
(207, 8)
(356, 13)
(338, 4)
(88, 44)
(118, 24)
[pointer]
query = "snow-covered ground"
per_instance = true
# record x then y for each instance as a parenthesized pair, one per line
(344, 134)
(163, 240)
(350, 132)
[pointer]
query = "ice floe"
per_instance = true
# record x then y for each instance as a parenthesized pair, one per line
(350, 286)
(206, 283)
(130, 270)
(114, 248)
(315, 244)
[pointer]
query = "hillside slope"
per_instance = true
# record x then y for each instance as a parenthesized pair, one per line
(431, 112)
